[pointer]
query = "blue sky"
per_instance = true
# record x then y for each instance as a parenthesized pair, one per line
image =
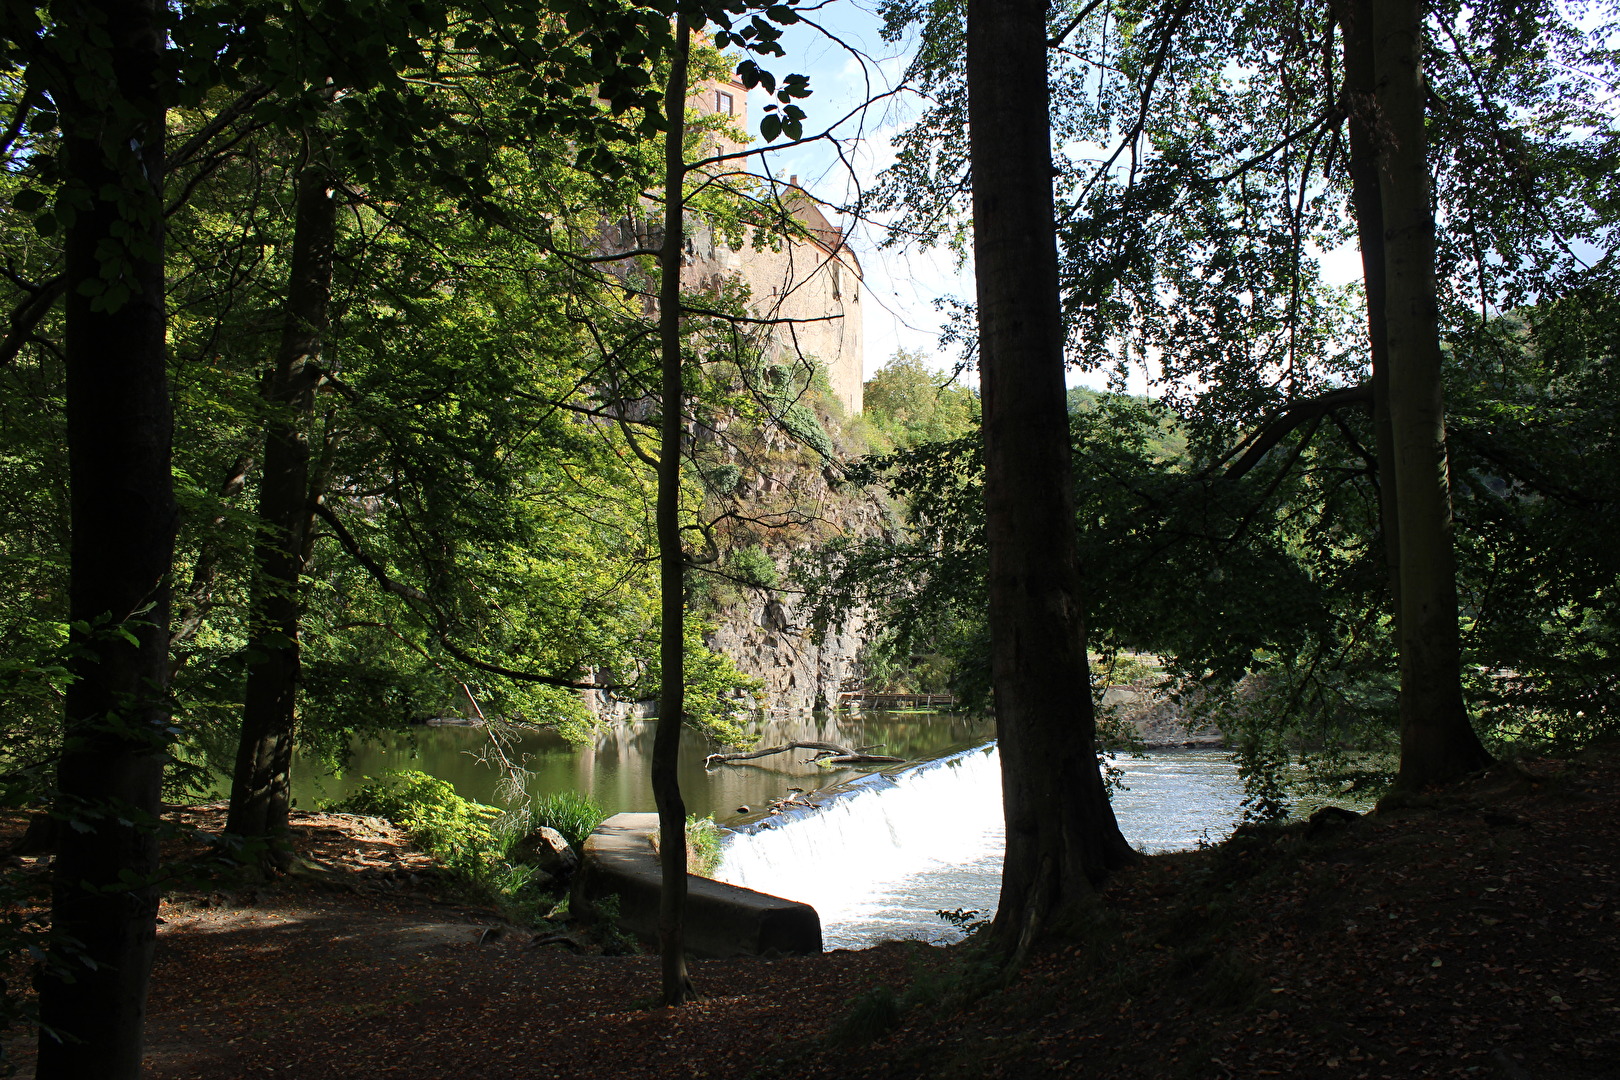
(903, 286)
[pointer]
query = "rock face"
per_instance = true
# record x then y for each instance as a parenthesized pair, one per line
(765, 640)
(780, 481)
(1158, 720)
(545, 849)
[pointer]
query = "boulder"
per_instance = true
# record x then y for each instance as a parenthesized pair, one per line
(545, 849)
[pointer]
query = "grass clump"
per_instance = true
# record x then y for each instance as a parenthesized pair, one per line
(703, 851)
(703, 845)
(871, 1016)
(574, 815)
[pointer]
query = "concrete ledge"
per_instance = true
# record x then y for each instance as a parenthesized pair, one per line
(721, 920)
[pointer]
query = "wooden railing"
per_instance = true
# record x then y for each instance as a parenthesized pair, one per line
(868, 700)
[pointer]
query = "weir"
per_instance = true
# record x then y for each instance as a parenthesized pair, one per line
(879, 856)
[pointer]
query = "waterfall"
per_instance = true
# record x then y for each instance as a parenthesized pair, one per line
(879, 856)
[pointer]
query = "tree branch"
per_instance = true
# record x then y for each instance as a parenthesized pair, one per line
(1285, 420)
(434, 616)
(825, 751)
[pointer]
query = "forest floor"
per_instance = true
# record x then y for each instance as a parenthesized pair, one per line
(1474, 934)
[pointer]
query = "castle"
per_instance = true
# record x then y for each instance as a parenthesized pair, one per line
(808, 274)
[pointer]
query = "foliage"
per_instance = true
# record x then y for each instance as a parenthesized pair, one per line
(571, 813)
(718, 695)
(458, 832)
(1266, 592)
(907, 403)
(1535, 470)
(1187, 253)
(966, 920)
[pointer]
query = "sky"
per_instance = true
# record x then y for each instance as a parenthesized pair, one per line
(903, 286)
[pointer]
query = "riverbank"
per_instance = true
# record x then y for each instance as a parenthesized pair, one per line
(1473, 935)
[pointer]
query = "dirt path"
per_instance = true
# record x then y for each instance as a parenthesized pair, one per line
(1476, 936)
(360, 968)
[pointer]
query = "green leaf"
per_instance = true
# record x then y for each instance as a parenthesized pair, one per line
(27, 200)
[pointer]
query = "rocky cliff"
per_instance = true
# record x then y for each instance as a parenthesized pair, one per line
(765, 640)
(789, 498)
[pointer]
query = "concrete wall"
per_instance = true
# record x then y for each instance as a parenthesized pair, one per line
(721, 920)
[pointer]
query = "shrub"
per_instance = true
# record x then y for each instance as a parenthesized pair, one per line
(458, 832)
(753, 565)
(722, 479)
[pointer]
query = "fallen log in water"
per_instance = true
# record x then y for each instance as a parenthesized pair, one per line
(829, 752)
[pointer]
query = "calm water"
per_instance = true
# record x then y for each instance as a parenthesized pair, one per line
(616, 770)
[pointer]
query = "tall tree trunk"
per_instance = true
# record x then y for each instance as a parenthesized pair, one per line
(666, 784)
(260, 797)
(1437, 742)
(1356, 23)
(92, 995)
(1062, 838)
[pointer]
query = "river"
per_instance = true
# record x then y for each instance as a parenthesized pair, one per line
(616, 770)
(884, 851)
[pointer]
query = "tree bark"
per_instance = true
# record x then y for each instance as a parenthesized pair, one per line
(92, 992)
(1438, 743)
(666, 784)
(260, 791)
(1356, 24)
(1062, 838)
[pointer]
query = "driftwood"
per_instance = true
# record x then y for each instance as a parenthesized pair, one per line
(831, 753)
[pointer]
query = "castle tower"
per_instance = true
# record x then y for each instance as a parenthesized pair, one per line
(809, 274)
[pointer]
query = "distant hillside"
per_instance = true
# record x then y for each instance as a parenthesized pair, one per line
(1170, 444)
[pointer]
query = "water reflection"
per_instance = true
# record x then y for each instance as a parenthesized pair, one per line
(615, 770)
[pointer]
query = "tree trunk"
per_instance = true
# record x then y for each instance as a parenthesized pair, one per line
(194, 604)
(666, 784)
(1062, 838)
(1356, 23)
(260, 797)
(92, 993)
(1437, 742)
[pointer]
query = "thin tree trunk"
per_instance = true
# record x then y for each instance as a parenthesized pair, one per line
(666, 785)
(260, 787)
(92, 993)
(1062, 838)
(1356, 22)
(195, 603)
(1437, 742)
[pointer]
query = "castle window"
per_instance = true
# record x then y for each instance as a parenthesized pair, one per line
(722, 102)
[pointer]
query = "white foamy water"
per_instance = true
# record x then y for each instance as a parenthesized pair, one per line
(878, 861)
